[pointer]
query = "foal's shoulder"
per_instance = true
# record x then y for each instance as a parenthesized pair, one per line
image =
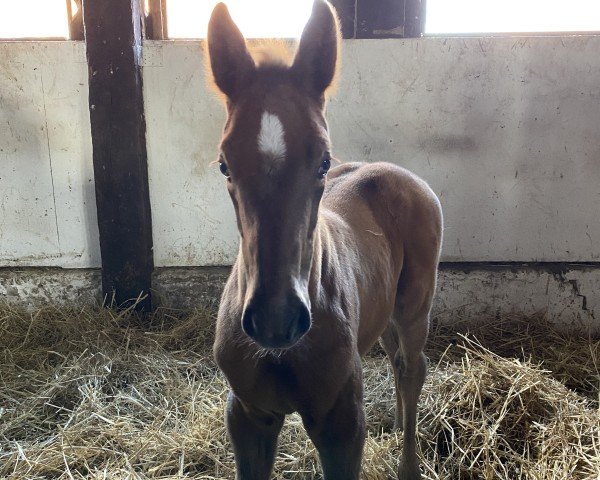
(343, 170)
(376, 178)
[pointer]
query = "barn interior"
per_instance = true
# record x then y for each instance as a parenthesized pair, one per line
(117, 235)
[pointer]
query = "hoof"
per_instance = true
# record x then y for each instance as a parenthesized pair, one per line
(409, 471)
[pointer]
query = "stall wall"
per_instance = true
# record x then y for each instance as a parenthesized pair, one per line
(504, 129)
(47, 202)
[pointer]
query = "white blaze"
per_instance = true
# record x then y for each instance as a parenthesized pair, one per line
(271, 136)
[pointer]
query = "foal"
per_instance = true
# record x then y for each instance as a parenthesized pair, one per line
(328, 263)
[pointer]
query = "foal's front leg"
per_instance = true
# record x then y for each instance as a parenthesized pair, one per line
(340, 434)
(253, 434)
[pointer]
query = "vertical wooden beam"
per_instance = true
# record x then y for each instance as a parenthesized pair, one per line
(113, 31)
(380, 18)
(69, 12)
(164, 17)
(390, 18)
(414, 23)
(75, 21)
(156, 20)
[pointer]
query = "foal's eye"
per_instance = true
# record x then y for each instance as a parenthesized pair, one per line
(223, 167)
(325, 165)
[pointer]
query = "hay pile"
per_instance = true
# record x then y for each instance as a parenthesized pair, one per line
(92, 394)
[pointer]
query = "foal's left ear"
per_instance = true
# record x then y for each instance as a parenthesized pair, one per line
(315, 62)
(230, 60)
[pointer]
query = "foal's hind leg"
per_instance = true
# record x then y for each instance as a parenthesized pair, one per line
(411, 366)
(253, 435)
(411, 319)
(391, 345)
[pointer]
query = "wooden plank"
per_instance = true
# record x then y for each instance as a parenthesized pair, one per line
(156, 20)
(390, 18)
(414, 23)
(113, 40)
(75, 21)
(165, 23)
(380, 18)
(69, 11)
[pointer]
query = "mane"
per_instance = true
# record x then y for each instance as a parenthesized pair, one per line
(276, 52)
(272, 52)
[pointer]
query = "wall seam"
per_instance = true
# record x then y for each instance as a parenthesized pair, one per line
(50, 159)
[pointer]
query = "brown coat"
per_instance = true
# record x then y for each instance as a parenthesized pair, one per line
(329, 262)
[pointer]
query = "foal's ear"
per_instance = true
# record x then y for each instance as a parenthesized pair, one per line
(230, 60)
(316, 58)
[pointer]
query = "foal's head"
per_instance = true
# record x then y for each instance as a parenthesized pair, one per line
(275, 156)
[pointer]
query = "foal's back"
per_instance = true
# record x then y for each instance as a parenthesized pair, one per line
(395, 222)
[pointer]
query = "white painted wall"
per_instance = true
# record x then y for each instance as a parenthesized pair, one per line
(192, 220)
(505, 130)
(47, 205)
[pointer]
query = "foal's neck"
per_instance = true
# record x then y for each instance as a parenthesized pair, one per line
(319, 259)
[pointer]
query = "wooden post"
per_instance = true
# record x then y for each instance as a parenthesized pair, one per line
(75, 21)
(156, 21)
(113, 35)
(390, 18)
(414, 22)
(69, 12)
(380, 18)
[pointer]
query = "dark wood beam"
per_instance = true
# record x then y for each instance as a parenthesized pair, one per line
(113, 34)
(380, 18)
(390, 18)
(156, 20)
(414, 23)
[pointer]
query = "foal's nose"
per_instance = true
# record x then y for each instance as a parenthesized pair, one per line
(276, 324)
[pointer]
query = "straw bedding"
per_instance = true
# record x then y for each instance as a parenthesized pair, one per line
(96, 394)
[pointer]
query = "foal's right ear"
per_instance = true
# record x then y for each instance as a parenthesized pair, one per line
(230, 60)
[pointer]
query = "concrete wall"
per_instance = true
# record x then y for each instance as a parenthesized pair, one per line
(47, 203)
(504, 129)
(567, 294)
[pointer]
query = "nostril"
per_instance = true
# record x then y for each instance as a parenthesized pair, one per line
(276, 324)
(290, 335)
(248, 322)
(299, 325)
(303, 321)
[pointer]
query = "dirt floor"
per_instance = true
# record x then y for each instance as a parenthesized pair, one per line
(96, 394)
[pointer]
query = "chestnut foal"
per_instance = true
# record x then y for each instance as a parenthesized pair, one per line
(328, 263)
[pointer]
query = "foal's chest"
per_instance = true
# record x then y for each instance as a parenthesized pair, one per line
(291, 382)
